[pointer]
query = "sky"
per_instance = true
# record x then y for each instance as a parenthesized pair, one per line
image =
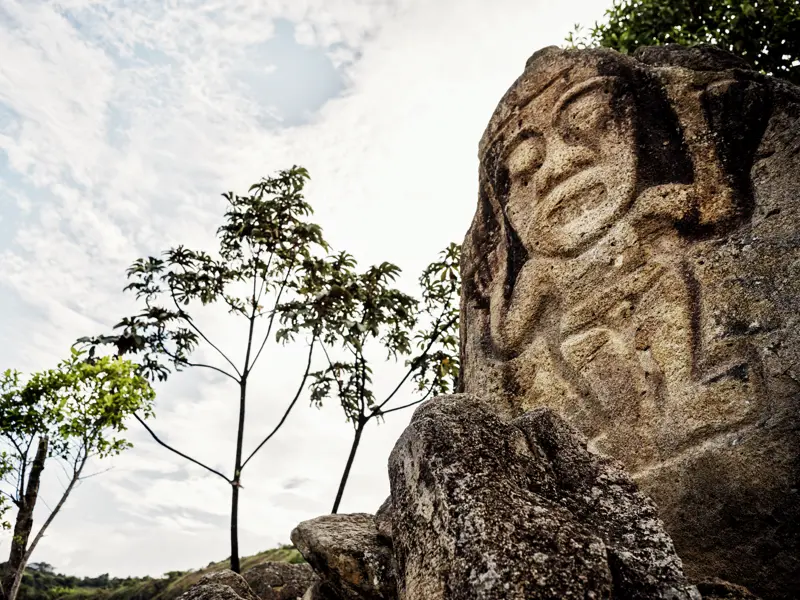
(122, 123)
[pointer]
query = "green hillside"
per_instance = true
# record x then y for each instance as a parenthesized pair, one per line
(41, 583)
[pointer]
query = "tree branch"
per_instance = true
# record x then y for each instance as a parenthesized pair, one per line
(213, 368)
(97, 473)
(264, 279)
(68, 476)
(179, 453)
(289, 409)
(330, 364)
(23, 464)
(188, 319)
(415, 402)
(250, 329)
(41, 498)
(202, 365)
(414, 366)
(11, 439)
(255, 286)
(274, 309)
(362, 401)
(23, 459)
(10, 497)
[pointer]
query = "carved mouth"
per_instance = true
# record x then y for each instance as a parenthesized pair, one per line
(576, 202)
(578, 210)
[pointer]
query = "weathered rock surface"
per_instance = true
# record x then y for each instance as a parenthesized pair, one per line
(350, 556)
(280, 580)
(210, 591)
(634, 264)
(718, 589)
(488, 509)
(321, 591)
(383, 519)
(220, 585)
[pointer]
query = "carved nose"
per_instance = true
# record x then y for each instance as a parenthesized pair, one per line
(561, 162)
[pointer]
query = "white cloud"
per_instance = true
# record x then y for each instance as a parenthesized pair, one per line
(127, 124)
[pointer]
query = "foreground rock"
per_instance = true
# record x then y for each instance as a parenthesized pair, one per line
(321, 590)
(347, 552)
(280, 580)
(383, 519)
(722, 590)
(220, 585)
(634, 264)
(485, 509)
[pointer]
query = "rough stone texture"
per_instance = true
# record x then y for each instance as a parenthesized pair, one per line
(320, 591)
(487, 509)
(722, 590)
(210, 591)
(220, 585)
(383, 519)
(634, 264)
(280, 580)
(347, 552)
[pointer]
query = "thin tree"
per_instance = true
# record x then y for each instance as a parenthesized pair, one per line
(265, 247)
(69, 414)
(368, 308)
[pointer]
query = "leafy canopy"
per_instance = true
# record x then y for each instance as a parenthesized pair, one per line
(366, 307)
(764, 32)
(265, 247)
(80, 406)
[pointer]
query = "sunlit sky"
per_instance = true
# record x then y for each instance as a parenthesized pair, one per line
(121, 123)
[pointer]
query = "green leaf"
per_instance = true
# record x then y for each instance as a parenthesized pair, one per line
(765, 33)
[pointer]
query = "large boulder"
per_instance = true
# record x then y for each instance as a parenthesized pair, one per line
(485, 509)
(347, 552)
(275, 580)
(634, 264)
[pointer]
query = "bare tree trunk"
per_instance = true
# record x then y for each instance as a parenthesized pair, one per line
(235, 566)
(24, 524)
(76, 475)
(346, 474)
(235, 485)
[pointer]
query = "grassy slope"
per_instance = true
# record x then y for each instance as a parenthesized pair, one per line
(44, 586)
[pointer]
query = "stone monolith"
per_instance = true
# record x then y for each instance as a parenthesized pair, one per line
(634, 264)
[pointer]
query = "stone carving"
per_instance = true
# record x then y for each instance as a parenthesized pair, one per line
(634, 263)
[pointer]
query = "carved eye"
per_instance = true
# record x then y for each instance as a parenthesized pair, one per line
(585, 115)
(526, 157)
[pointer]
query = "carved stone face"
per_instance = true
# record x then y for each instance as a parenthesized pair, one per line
(571, 167)
(633, 265)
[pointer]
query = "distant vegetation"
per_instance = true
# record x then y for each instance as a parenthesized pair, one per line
(41, 582)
